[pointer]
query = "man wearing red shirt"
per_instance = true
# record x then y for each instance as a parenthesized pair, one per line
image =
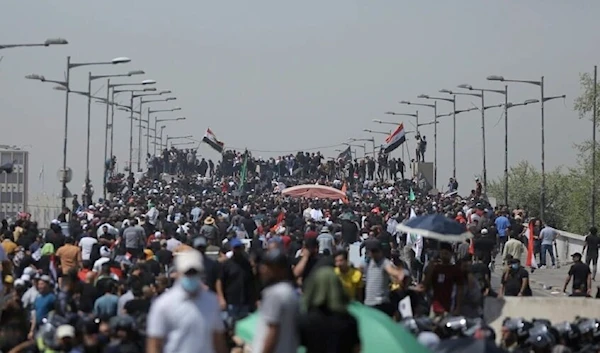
(441, 279)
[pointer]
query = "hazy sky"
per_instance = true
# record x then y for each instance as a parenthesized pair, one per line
(279, 75)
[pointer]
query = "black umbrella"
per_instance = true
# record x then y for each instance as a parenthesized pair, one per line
(468, 345)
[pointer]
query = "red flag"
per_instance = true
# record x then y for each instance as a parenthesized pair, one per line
(344, 189)
(280, 219)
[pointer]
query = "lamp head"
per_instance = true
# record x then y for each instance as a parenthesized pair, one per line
(424, 96)
(149, 89)
(55, 41)
(35, 77)
(376, 121)
(446, 91)
(171, 99)
(135, 72)
(531, 101)
(120, 60)
(176, 108)
(465, 86)
(148, 82)
(405, 102)
(59, 88)
(165, 92)
(182, 118)
(495, 78)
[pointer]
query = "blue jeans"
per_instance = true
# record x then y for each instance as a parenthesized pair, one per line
(550, 250)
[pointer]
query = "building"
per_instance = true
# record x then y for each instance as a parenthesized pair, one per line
(14, 186)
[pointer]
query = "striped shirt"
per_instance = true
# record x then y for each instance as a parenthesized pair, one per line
(377, 289)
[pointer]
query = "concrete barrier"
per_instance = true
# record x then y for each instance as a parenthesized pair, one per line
(568, 244)
(553, 309)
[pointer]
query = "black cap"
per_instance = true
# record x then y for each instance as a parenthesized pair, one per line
(577, 254)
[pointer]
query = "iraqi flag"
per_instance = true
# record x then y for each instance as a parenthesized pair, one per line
(212, 141)
(395, 139)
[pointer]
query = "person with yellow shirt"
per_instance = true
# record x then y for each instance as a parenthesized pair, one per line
(350, 277)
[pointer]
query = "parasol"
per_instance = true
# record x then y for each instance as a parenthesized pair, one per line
(435, 226)
(378, 332)
(312, 191)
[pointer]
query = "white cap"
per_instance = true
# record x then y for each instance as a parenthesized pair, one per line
(189, 260)
(28, 271)
(104, 251)
(25, 278)
(64, 331)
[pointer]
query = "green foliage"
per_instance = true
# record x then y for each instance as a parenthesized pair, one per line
(568, 191)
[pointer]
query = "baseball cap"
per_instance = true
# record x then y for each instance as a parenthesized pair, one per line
(189, 260)
(65, 331)
(577, 254)
(235, 242)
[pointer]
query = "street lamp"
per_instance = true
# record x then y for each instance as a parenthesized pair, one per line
(483, 108)
(543, 99)
(372, 140)
(48, 42)
(147, 121)
(89, 116)
(435, 122)
(156, 120)
(66, 85)
(131, 110)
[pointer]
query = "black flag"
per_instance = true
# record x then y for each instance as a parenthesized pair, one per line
(346, 154)
(7, 167)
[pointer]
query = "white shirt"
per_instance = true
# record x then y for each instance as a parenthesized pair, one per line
(316, 214)
(186, 324)
(86, 244)
(98, 264)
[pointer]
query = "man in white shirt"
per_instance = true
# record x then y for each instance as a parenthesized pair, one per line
(187, 318)
(86, 243)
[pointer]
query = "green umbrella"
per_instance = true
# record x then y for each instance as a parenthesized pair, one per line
(378, 333)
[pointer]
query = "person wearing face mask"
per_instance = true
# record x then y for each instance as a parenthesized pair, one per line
(187, 307)
(515, 280)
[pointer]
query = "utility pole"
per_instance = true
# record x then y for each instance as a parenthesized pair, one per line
(595, 116)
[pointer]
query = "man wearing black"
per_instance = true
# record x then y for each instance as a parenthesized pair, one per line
(515, 280)
(581, 275)
(307, 260)
(592, 243)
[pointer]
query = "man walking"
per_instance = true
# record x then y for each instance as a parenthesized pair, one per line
(548, 236)
(592, 243)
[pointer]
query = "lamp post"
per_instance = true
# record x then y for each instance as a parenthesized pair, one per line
(363, 146)
(48, 42)
(142, 102)
(453, 101)
(543, 99)
(89, 116)
(66, 85)
(156, 120)
(170, 138)
(147, 121)
(372, 140)
(435, 122)
(131, 111)
(483, 108)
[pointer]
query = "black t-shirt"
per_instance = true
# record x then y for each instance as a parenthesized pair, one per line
(580, 272)
(480, 271)
(513, 280)
(592, 242)
(349, 232)
(137, 306)
(238, 281)
(484, 247)
(310, 264)
(164, 257)
(385, 239)
(322, 332)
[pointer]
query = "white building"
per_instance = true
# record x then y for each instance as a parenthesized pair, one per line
(14, 187)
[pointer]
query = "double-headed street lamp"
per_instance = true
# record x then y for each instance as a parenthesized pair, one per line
(543, 99)
(372, 140)
(156, 120)
(66, 85)
(147, 121)
(48, 42)
(483, 108)
(435, 122)
(134, 94)
(141, 112)
(89, 117)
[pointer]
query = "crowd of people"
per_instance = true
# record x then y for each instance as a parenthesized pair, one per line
(172, 259)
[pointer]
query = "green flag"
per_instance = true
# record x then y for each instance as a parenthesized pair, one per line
(411, 195)
(243, 172)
